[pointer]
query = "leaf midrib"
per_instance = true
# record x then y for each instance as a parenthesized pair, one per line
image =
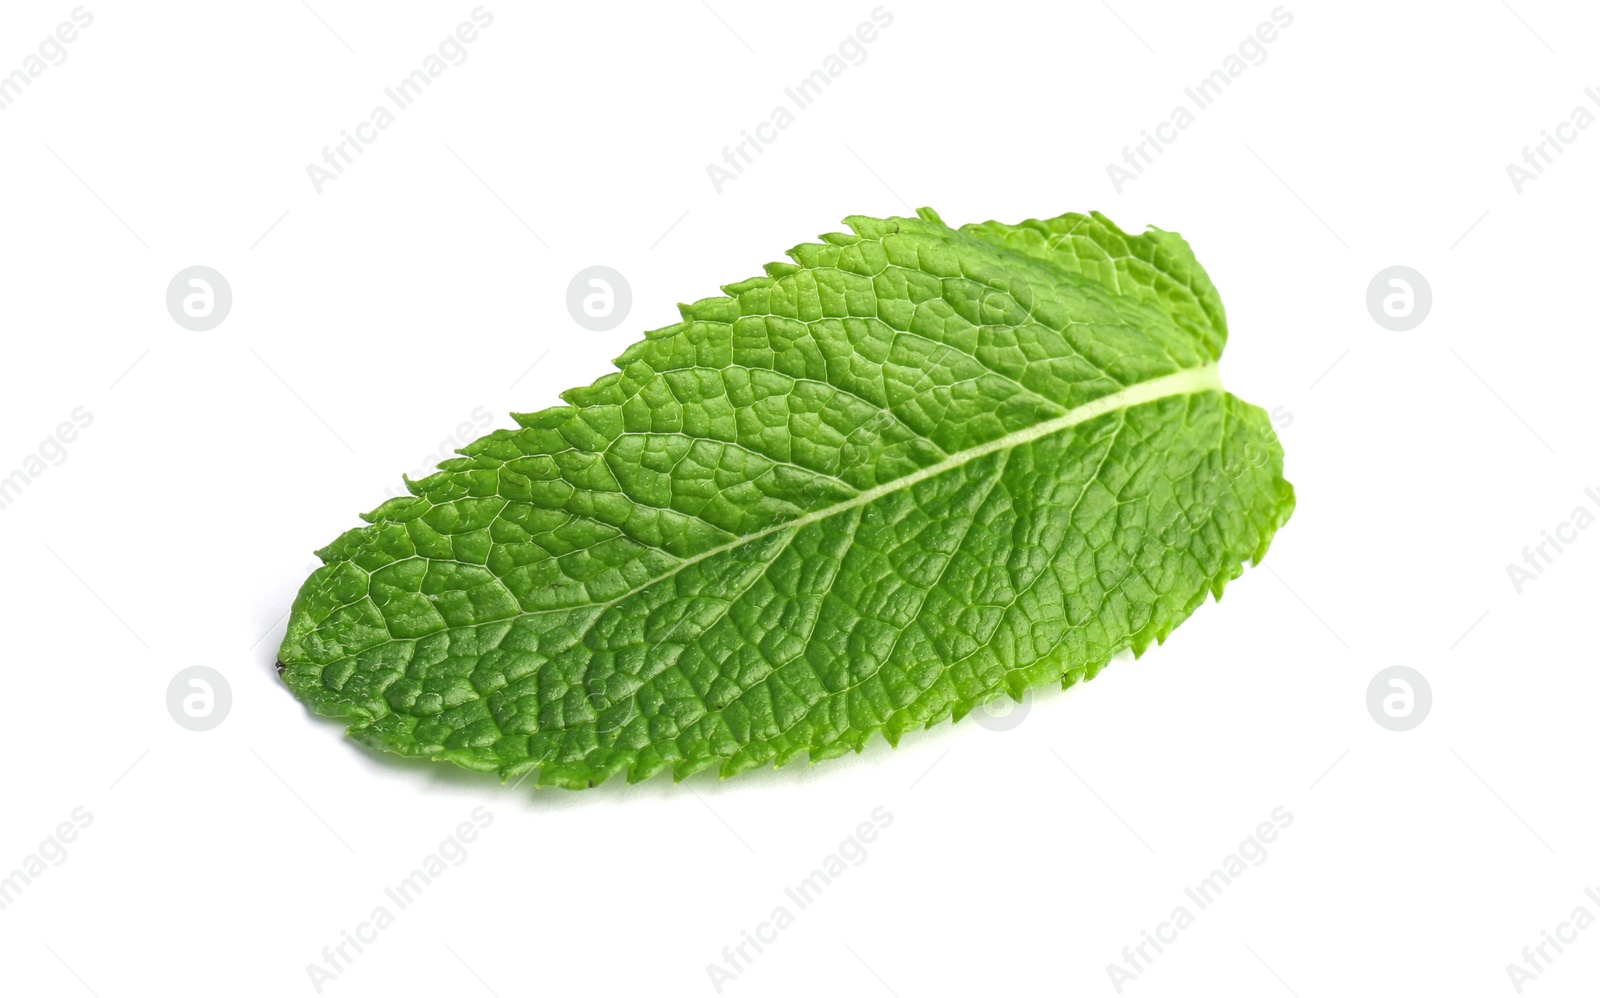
(1188, 381)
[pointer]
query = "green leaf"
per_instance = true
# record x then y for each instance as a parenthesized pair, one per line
(914, 469)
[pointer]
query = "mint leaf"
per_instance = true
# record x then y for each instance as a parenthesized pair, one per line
(914, 469)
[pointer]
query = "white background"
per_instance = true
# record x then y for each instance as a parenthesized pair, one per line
(374, 317)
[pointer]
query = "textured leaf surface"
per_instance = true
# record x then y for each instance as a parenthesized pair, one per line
(914, 469)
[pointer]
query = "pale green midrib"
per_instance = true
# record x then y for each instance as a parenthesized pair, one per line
(1205, 378)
